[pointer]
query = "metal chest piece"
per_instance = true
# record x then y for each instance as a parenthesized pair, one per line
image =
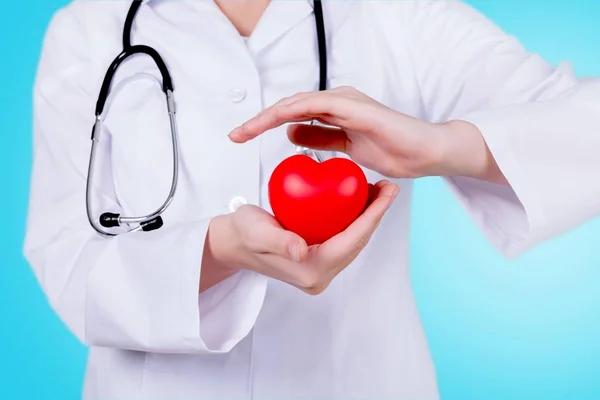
(314, 154)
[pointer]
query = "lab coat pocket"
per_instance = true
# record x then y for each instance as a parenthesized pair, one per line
(137, 124)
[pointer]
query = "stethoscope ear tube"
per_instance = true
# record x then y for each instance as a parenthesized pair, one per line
(110, 220)
(167, 82)
(322, 44)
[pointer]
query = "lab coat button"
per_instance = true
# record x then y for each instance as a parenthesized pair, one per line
(236, 95)
(236, 203)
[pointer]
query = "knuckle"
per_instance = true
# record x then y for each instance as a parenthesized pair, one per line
(311, 281)
(390, 167)
(243, 209)
(345, 89)
(315, 291)
(279, 113)
(316, 288)
(287, 99)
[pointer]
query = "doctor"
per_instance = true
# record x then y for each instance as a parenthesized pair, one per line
(221, 303)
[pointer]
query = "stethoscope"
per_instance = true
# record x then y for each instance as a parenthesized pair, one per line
(154, 220)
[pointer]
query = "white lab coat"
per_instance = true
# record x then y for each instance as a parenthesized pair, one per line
(134, 299)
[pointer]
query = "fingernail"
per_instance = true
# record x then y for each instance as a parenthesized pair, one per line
(294, 250)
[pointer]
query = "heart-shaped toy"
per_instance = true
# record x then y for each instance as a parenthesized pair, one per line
(317, 200)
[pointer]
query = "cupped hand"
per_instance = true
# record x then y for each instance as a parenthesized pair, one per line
(373, 135)
(257, 242)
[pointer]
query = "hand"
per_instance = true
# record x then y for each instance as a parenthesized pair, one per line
(373, 135)
(252, 239)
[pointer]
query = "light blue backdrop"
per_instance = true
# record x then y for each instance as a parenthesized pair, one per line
(526, 329)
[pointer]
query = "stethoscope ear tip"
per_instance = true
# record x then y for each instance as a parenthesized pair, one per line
(152, 225)
(109, 220)
(112, 220)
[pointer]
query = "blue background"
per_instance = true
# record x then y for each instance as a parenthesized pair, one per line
(498, 329)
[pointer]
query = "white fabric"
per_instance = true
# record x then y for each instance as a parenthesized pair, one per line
(134, 299)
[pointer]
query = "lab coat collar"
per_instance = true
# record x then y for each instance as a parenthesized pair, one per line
(283, 15)
(308, 1)
(280, 17)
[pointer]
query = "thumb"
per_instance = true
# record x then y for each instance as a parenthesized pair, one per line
(278, 241)
(318, 137)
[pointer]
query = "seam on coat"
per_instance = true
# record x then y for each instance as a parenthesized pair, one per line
(88, 63)
(143, 378)
(409, 48)
(250, 389)
(342, 379)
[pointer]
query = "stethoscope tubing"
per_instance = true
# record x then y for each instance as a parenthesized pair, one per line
(154, 220)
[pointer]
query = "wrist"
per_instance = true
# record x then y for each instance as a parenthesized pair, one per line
(218, 261)
(463, 151)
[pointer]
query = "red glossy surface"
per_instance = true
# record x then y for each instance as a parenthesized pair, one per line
(317, 200)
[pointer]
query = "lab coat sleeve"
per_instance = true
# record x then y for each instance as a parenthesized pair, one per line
(541, 124)
(138, 291)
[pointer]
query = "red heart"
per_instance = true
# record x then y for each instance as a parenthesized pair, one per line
(317, 200)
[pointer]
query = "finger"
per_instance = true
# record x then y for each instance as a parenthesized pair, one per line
(292, 99)
(345, 90)
(319, 137)
(237, 135)
(320, 104)
(345, 112)
(366, 223)
(308, 107)
(351, 241)
(303, 276)
(265, 236)
(374, 190)
(284, 243)
(284, 101)
(384, 193)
